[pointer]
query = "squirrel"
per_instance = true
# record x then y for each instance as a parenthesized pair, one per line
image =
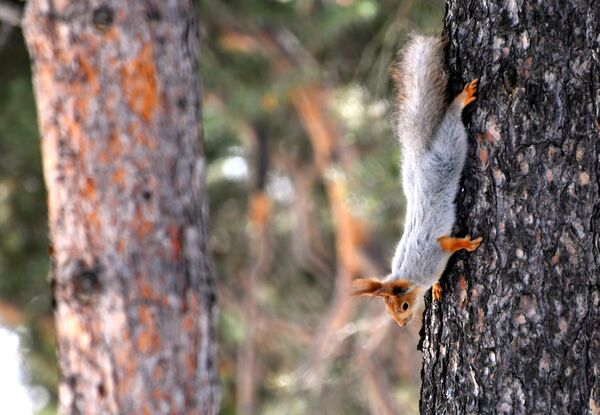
(433, 140)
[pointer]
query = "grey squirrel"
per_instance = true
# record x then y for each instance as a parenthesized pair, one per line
(434, 147)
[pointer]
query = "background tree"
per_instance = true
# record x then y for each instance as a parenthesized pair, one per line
(119, 112)
(518, 330)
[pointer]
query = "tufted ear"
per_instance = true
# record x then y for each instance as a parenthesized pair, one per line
(366, 286)
(375, 287)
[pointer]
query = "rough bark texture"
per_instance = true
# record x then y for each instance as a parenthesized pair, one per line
(119, 110)
(518, 330)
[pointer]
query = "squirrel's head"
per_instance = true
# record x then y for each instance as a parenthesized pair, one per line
(399, 296)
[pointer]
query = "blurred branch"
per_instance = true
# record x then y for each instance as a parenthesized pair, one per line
(10, 315)
(5, 32)
(350, 233)
(266, 325)
(380, 399)
(307, 241)
(311, 104)
(259, 260)
(378, 63)
(246, 368)
(11, 12)
(13, 317)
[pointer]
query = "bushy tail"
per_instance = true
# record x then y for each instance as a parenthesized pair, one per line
(421, 90)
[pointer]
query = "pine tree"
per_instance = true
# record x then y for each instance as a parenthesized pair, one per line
(518, 330)
(118, 104)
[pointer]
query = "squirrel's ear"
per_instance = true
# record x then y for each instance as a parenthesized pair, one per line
(366, 286)
(374, 287)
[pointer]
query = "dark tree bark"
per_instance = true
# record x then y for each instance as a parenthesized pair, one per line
(518, 330)
(118, 102)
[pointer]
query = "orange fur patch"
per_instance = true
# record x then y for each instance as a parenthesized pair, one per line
(396, 294)
(394, 307)
(451, 244)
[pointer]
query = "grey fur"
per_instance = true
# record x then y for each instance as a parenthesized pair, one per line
(433, 157)
(421, 87)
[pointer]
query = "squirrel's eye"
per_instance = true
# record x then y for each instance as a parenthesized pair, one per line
(405, 306)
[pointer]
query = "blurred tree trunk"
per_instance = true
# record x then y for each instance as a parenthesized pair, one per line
(518, 330)
(119, 110)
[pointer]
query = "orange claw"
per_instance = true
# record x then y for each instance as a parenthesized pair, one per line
(469, 91)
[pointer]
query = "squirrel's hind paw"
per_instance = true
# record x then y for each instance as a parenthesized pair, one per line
(436, 292)
(473, 244)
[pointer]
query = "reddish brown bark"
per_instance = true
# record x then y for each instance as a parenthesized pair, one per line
(119, 110)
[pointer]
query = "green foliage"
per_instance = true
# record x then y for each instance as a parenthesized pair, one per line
(23, 229)
(22, 218)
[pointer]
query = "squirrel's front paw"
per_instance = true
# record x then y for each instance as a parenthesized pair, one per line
(436, 292)
(467, 95)
(469, 90)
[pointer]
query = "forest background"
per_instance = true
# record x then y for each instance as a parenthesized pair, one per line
(304, 196)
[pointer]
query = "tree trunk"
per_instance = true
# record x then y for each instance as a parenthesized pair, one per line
(118, 102)
(518, 330)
